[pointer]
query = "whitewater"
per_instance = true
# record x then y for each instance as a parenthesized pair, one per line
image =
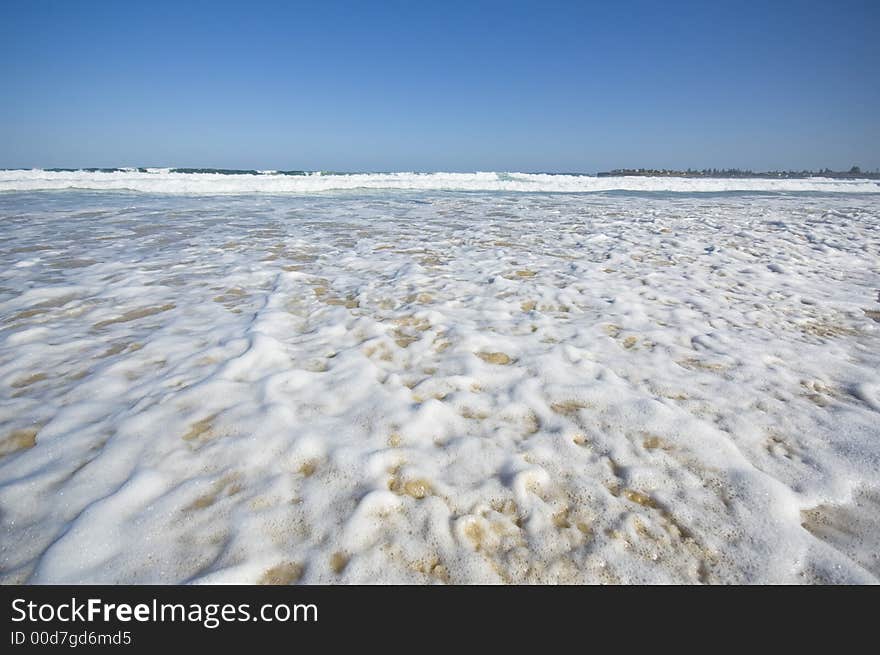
(438, 378)
(165, 180)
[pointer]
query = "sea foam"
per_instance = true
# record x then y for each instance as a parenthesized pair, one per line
(159, 180)
(436, 387)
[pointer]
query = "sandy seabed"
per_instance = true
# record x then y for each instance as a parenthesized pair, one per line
(439, 387)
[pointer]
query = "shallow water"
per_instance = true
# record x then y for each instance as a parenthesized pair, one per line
(439, 386)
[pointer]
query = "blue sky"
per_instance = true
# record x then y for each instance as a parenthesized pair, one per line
(529, 86)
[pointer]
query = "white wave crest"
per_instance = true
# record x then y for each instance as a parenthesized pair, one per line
(165, 181)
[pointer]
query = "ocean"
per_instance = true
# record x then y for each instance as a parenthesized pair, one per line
(437, 378)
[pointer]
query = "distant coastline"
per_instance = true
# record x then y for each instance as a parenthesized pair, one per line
(854, 173)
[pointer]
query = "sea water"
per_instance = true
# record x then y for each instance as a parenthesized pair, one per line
(210, 378)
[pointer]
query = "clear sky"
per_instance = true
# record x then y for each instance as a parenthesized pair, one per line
(442, 85)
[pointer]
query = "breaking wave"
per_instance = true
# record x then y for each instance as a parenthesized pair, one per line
(216, 181)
